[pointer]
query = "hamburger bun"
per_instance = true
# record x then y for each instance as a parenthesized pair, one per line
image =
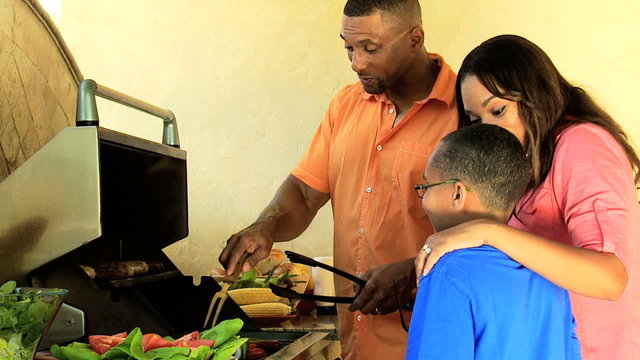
(276, 256)
(290, 268)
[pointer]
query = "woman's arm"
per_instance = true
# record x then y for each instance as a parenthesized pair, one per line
(583, 271)
(591, 187)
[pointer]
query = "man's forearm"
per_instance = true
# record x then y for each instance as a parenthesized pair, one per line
(292, 209)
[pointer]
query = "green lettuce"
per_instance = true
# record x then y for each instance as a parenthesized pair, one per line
(170, 353)
(74, 351)
(224, 334)
(131, 346)
(13, 349)
(23, 318)
(229, 348)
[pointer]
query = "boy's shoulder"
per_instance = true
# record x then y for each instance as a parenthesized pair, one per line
(474, 257)
(474, 263)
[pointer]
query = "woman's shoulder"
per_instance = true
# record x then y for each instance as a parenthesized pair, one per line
(580, 132)
(586, 140)
(584, 147)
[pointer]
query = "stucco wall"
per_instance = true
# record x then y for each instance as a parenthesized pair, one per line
(249, 81)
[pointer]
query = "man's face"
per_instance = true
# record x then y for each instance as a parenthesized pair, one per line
(378, 48)
(437, 201)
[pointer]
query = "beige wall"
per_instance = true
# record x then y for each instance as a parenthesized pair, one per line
(594, 44)
(249, 80)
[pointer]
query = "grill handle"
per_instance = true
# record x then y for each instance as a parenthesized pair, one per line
(87, 111)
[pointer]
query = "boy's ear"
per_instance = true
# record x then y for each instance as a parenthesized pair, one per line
(460, 196)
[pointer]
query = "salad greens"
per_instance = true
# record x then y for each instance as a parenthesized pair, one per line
(229, 348)
(131, 347)
(249, 279)
(23, 318)
(224, 334)
(75, 351)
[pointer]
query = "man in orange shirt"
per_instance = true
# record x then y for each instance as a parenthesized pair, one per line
(366, 157)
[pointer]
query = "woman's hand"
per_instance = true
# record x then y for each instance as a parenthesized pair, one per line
(466, 235)
(586, 272)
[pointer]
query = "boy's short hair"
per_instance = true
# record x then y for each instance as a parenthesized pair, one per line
(490, 160)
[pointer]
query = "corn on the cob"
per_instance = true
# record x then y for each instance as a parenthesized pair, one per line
(248, 296)
(266, 309)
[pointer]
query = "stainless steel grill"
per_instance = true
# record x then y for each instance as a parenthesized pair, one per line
(93, 196)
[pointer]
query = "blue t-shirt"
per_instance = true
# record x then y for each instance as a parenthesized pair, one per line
(480, 304)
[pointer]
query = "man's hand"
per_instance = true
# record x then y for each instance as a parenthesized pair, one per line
(287, 216)
(384, 285)
(255, 240)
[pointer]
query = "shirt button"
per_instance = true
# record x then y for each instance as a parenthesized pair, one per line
(391, 111)
(361, 231)
(379, 147)
(359, 317)
(369, 189)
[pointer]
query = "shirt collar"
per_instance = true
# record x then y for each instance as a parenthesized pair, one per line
(442, 89)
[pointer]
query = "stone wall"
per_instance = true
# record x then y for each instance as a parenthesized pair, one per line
(38, 82)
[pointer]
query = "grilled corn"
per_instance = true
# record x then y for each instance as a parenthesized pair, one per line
(266, 309)
(248, 296)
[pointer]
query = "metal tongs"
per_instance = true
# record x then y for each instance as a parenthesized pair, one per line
(301, 259)
(221, 296)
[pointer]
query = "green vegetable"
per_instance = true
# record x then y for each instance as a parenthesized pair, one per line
(229, 348)
(23, 318)
(247, 280)
(201, 353)
(250, 279)
(131, 346)
(172, 353)
(74, 351)
(223, 331)
(250, 275)
(12, 349)
(8, 287)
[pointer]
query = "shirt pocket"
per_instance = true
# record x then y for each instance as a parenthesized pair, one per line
(408, 168)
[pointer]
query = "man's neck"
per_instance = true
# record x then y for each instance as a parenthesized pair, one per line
(415, 85)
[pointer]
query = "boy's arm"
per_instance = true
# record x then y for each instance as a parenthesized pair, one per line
(442, 321)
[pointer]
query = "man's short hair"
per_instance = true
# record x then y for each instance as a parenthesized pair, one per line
(490, 160)
(408, 10)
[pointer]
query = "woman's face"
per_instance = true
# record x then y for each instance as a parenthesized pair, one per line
(482, 105)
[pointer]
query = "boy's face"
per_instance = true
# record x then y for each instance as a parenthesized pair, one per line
(438, 201)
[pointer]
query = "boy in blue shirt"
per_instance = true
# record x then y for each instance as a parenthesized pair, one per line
(478, 303)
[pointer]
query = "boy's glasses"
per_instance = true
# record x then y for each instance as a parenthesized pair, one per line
(421, 189)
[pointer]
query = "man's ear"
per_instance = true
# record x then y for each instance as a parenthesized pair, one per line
(460, 196)
(416, 36)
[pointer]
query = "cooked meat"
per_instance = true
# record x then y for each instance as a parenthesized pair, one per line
(114, 270)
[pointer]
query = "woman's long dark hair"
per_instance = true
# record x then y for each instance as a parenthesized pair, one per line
(514, 68)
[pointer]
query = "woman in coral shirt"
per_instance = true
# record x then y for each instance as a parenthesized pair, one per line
(579, 224)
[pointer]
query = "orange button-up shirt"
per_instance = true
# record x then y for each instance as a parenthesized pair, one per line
(370, 169)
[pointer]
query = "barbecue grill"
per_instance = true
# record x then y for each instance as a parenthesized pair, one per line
(95, 196)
